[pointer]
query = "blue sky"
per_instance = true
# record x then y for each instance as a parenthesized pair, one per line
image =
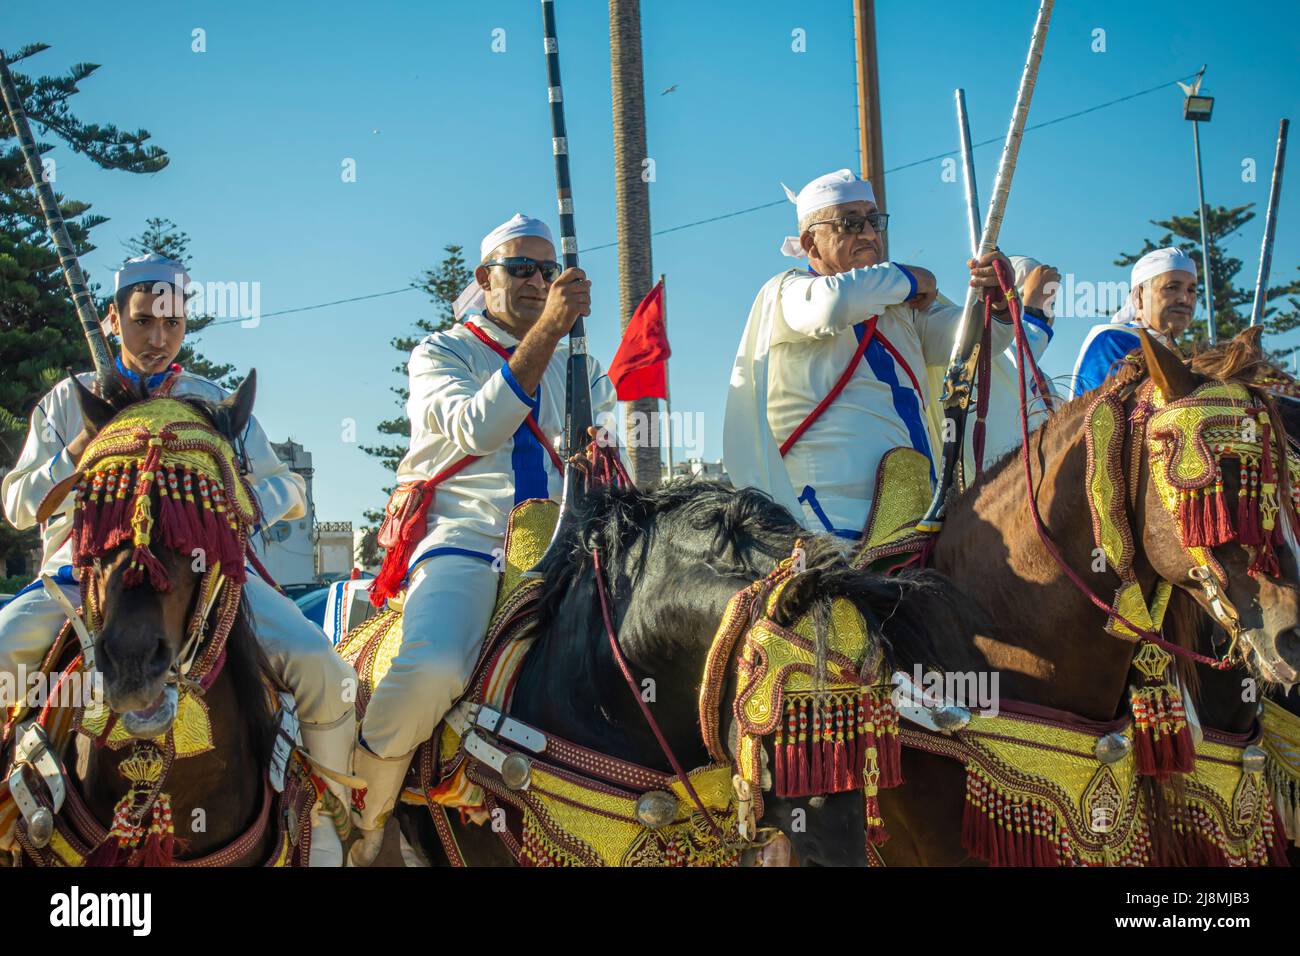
(450, 138)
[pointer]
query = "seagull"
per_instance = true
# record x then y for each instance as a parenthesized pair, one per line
(669, 90)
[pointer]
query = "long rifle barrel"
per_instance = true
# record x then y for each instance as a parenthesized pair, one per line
(965, 350)
(1270, 226)
(72, 274)
(968, 172)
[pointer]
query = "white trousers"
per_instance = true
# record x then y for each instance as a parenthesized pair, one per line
(444, 620)
(297, 649)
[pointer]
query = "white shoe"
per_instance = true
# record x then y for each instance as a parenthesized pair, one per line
(383, 786)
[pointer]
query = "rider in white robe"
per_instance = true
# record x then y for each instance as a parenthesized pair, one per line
(804, 330)
(465, 399)
(296, 649)
(1162, 300)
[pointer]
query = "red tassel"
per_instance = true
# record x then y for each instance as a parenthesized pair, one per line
(1265, 559)
(1223, 532)
(802, 783)
(190, 508)
(144, 562)
(158, 850)
(815, 743)
(876, 832)
(108, 853)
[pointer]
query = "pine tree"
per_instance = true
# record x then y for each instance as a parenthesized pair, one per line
(40, 335)
(1232, 303)
(164, 237)
(442, 285)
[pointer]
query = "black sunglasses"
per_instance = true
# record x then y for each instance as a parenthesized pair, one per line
(521, 267)
(854, 225)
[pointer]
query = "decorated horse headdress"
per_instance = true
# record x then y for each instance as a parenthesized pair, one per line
(1186, 441)
(160, 475)
(832, 723)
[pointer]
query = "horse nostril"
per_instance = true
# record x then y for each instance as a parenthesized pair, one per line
(161, 659)
(1288, 647)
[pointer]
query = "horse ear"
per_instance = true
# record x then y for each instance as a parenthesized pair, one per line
(97, 412)
(236, 409)
(1174, 379)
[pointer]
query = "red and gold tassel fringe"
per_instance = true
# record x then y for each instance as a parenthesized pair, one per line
(826, 743)
(1005, 829)
(1162, 739)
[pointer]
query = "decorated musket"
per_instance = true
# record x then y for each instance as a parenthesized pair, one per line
(72, 274)
(959, 378)
(1270, 226)
(577, 383)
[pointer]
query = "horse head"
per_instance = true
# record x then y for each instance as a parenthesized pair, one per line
(1218, 511)
(734, 629)
(162, 520)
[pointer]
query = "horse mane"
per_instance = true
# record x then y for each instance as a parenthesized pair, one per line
(1241, 359)
(918, 616)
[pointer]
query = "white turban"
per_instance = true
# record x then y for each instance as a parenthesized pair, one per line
(833, 189)
(1155, 263)
(151, 268)
(473, 299)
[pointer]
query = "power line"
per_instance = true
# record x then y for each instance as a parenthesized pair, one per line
(749, 209)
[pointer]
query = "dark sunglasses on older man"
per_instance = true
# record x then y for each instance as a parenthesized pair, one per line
(854, 225)
(521, 267)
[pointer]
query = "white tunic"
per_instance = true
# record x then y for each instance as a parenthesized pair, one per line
(802, 333)
(465, 401)
(45, 462)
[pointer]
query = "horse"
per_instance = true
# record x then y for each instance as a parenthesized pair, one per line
(185, 687)
(670, 560)
(1049, 644)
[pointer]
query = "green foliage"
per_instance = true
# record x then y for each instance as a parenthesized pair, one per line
(40, 334)
(1232, 302)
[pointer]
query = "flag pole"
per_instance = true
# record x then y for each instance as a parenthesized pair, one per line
(668, 390)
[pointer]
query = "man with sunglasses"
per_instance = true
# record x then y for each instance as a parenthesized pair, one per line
(487, 410)
(831, 373)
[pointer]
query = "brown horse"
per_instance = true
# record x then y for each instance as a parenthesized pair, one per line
(142, 646)
(1049, 645)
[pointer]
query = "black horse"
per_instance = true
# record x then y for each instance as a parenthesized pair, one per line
(671, 560)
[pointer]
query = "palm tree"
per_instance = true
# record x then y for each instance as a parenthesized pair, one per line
(632, 199)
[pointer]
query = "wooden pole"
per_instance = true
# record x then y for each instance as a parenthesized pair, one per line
(632, 206)
(870, 133)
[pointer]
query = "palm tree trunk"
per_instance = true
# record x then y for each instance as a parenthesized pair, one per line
(632, 199)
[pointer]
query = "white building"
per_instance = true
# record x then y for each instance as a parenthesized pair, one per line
(695, 468)
(288, 548)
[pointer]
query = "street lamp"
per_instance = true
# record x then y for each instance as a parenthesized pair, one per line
(1197, 109)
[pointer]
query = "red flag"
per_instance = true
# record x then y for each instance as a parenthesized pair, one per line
(639, 369)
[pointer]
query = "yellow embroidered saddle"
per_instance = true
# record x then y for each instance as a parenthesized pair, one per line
(576, 808)
(902, 496)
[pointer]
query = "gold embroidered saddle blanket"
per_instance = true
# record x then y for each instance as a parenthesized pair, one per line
(1047, 788)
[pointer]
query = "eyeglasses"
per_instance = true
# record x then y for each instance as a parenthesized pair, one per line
(521, 267)
(854, 225)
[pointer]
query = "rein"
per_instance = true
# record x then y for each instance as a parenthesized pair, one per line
(1024, 354)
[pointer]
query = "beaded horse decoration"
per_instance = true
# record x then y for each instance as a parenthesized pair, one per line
(832, 723)
(160, 474)
(1186, 443)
